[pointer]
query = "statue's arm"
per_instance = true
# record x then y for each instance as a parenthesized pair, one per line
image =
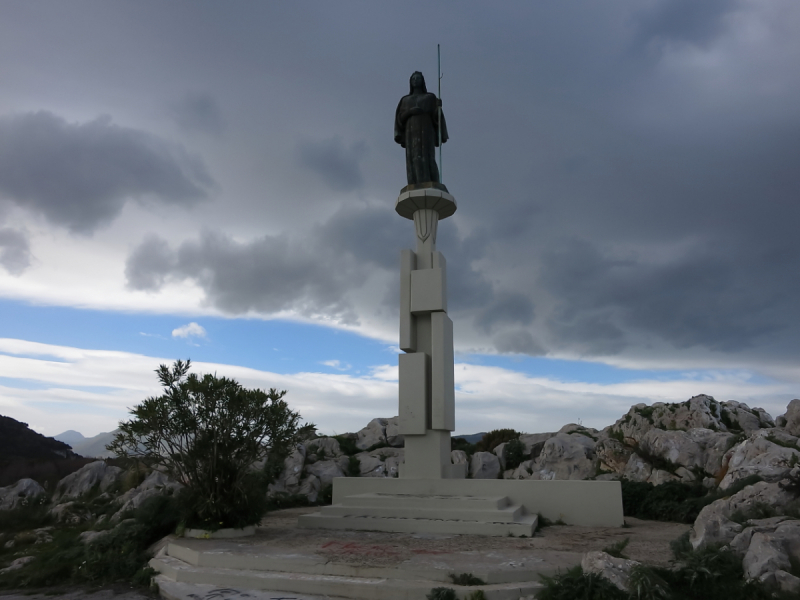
(399, 127)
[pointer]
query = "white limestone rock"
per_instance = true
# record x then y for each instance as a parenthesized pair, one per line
(714, 526)
(786, 582)
(393, 436)
(612, 454)
(326, 470)
(566, 456)
(392, 465)
(69, 512)
(534, 442)
(22, 492)
(791, 419)
(373, 433)
(293, 470)
(659, 476)
(770, 551)
(155, 484)
(84, 479)
(615, 570)
(484, 465)
(637, 469)
(758, 456)
(323, 448)
(18, 564)
(459, 457)
(309, 487)
(371, 465)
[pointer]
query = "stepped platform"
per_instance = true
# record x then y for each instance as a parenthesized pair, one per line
(409, 513)
(285, 561)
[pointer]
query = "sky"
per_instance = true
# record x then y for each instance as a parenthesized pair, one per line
(216, 181)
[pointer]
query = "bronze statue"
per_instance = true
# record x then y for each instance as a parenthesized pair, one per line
(416, 128)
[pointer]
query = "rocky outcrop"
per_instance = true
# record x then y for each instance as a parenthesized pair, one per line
(758, 455)
(83, 480)
(155, 484)
(484, 465)
(566, 456)
(616, 570)
(767, 548)
(21, 493)
(791, 419)
(714, 524)
(380, 431)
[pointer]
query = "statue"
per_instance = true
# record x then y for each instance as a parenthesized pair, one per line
(416, 128)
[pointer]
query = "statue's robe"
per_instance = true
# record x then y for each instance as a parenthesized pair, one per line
(416, 128)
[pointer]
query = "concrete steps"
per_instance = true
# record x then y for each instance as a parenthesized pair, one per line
(409, 513)
(180, 580)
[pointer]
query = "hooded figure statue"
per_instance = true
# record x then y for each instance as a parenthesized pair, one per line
(416, 128)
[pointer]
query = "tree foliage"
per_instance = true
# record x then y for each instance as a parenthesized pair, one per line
(208, 432)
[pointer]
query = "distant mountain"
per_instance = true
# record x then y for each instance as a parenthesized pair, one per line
(472, 438)
(95, 447)
(17, 440)
(70, 437)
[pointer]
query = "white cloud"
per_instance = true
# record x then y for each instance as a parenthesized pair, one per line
(190, 330)
(60, 388)
(336, 364)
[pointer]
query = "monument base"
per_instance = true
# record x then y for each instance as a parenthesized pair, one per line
(493, 507)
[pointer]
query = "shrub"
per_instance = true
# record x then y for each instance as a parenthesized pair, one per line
(514, 453)
(617, 549)
(347, 444)
(353, 467)
(466, 579)
(441, 593)
(645, 584)
(207, 432)
(575, 585)
(459, 443)
(494, 438)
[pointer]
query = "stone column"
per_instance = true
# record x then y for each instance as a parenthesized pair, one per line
(427, 394)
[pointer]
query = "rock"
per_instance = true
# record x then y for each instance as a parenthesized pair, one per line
(612, 454)
(637, 469)
(714, 526)
(770, 551)
(69, 512)
(18, 564)
(156, 483)
(87, 537)
(498, 452)
(741, 542)
(374, 433)
(758, 456)
(392, 466)
(393, 436)
(459, 457)
(616, 570)
(21, 493)
(699, 412)
(83, 480)
(293, 469)
(371, 465)
(791, 418)
(326, 470)
(310, 487)
(566, 456)
(523, 471)
(484, 465)
(324, 448)
(659, 476)
(787, 582)
(534, 442)
(44, 535)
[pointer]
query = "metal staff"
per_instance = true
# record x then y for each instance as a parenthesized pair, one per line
(441, 166)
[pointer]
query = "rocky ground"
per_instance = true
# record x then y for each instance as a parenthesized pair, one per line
(718, 445)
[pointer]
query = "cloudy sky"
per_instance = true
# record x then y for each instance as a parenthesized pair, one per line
(216, 181)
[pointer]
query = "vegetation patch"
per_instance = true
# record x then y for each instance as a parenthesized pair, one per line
(514, 453)
(466, 579)
(617, 549)
(494, 438)
(441, 593)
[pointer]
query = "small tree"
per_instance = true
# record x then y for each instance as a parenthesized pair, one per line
(208, 433)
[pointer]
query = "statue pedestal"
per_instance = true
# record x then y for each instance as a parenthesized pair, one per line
(432, 495)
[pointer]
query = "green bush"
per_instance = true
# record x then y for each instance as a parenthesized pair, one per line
(441, 593)
(347, 444)
(466, 579)
(459, 443)
(514, 453)
(617, 549)
(494, 438)
(577, 585)
(207, 432)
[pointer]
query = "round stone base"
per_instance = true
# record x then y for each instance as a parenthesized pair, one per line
(219, 534)
(410, 201)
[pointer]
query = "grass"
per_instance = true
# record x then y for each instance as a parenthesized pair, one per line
(466, 579)
(617, 549)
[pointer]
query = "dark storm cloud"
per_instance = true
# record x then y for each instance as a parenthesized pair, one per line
(267, 275)
(79, 175)
(517, 342)
(335, 163)
(683, 20)
(15, 251)
(199, 113)
(715, 296)
(507, 308)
